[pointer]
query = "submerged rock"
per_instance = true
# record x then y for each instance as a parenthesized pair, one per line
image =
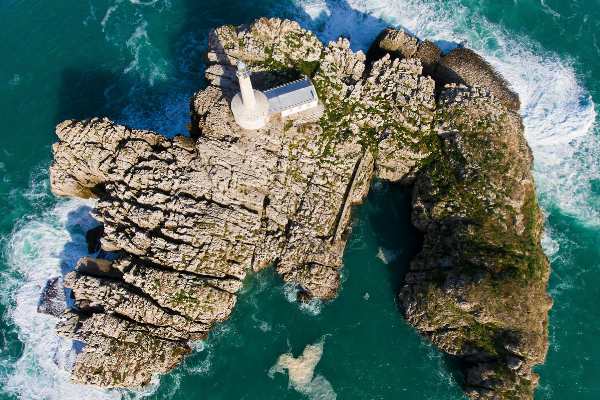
(190, 216)
(52, 299)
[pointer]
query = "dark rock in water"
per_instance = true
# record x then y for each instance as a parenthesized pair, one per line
(464, 66)
(428, 52)
(92, 238)
(304, 296)
(52, 300)
(392, 41)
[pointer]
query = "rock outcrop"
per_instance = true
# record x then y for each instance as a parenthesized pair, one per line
(395, 42)
(478, 287)
(428, 53)
(460, 66)
(112, 356)
(189, 217)
(464, 66)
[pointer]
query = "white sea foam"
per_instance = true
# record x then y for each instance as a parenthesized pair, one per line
(109, 11)
(264, 326)
(550, 244)
(558, 116)
(135, 42)
(147, 61)
(195, 367)
(144, 3)
(301, 372)
(557, 111)
(547, 9)
(92, 16)
(36, 251)
(125, 26)
(314, 306)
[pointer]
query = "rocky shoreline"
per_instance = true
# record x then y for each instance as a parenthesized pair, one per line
(189, 217)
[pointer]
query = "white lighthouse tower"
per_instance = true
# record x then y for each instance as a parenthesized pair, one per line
(250, 107)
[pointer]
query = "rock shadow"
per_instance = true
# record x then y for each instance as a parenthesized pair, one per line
(399, 241)
(83, 94)
(397, 238)
(97, 91)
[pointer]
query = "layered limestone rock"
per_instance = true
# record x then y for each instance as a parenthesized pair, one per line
(395, 42)
(116, 342)
(189, 217)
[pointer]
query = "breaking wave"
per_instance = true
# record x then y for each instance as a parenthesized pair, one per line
(559, 118)
(39, 249)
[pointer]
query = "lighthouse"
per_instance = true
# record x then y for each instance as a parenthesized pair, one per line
(250, 107)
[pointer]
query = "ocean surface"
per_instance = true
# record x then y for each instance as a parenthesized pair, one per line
(138, 62)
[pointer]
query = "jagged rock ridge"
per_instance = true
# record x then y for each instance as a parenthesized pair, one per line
(190, 216)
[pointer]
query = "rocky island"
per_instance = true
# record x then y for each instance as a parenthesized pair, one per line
(188, 217)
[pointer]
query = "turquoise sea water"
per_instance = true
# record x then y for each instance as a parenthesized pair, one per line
(138, 62)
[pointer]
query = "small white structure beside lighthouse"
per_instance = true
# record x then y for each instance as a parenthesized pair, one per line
(292, 97)
(250, 107)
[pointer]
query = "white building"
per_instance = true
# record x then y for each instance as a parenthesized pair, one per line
(292, 97)
(251, 108)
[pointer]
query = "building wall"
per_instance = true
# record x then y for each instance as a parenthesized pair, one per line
(299, 108)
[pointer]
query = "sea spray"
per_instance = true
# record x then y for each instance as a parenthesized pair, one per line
(556, 109)
(38, 251)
